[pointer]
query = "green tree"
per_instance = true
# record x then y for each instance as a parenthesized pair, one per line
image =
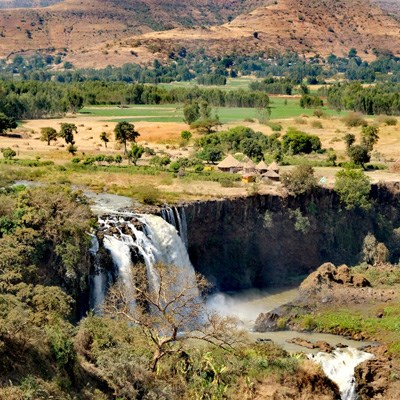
(300, 179)
(135, 153)
(359, 154)
(191, 112)
(6, 123)
(67, 132)
(186, 136)
(353, 188)
(104, 137)
(211, 154)
(125, 132)
(369, 136)
(48, 134)
(74, 101)
(8, 153)
(72, 149)
(349, 139)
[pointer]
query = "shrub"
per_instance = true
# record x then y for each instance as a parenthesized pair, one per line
(353, 187)
(300, 180)
(275, 126)
(8, 153)
(316, 125)
(353, 119)
(385, 119)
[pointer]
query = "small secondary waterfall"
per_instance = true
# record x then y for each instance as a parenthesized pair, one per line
(339, 367)
(177, 218)
(98, 280)
(156, 242)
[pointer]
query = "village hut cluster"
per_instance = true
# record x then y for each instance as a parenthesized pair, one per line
(249, 170)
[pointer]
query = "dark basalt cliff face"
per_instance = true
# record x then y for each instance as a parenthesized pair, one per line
(267, 240)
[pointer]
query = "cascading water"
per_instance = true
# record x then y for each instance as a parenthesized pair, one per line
(98, 280)
(339, 367)
(177, 218)
(157, 242)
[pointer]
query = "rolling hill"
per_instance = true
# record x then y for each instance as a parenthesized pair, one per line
(96, 33)
(76, 25)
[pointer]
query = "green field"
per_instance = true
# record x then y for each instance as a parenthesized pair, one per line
(281, 108)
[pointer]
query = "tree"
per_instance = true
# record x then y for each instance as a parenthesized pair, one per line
(353, 188)
(191, 112)
(125, 132)
(359, 154)
(251, 148)
(169, 311)
(75, 101)
(349, 139)
(300, 179)
(104, 137)
(206, 126)
(72, 149)
(8, 153)
(210, 154)
(48, 134)
(67, 132)
(135, 153)
(186, 136)
(369, 136)
(6, 123)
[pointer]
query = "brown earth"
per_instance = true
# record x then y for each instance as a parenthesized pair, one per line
(76, 25)
(306, 27)
(97, 33)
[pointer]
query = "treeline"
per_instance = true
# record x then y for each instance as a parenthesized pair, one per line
(273, 86)
(183, 65)
(32, 99)
(373, 100)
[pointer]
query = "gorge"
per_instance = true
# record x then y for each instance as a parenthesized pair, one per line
(254, 242)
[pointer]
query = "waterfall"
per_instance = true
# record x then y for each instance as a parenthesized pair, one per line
(176, 218)
(339, 367)
(156, 241)
(98, 280)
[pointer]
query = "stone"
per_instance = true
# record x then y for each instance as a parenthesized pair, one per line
(302, 342)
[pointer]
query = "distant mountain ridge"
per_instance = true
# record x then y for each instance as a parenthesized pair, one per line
(96, 33)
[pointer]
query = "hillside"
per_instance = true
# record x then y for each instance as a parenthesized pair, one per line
(391, 6)
(96, 33)
(307, 27)
(75, 25)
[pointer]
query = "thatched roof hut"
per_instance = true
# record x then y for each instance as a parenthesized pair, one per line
(272, 175)
(273, 167)
(229, 164)
(249, 166)
(262, 167)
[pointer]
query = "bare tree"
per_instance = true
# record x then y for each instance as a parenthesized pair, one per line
(170, 310)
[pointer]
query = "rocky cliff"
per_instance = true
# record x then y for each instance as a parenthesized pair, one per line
(268, 240)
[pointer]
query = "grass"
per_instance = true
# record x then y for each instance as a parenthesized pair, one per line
(280, 109)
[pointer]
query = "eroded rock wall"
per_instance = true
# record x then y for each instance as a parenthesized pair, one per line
(268, 240)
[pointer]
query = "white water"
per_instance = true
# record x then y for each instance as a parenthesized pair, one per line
(179, 222)
(158, 242)
(339, 367)
(98, 280)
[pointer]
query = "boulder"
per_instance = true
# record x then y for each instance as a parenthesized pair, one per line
(373, 378)
(324, 346)
(267, 322)
(360, 281)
